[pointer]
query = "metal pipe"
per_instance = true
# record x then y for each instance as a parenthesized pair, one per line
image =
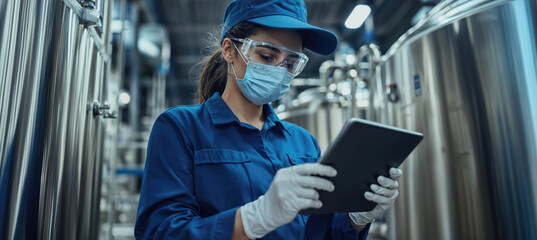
(86, 12)
(371, 51)
(56, 184)
(99, 43)
(22, 46)
(17, 168)
(46, 59)
(112, 163)
(326, 68)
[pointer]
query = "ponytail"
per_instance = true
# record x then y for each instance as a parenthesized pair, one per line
(213, 78)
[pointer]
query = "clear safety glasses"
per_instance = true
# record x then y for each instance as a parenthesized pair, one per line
(272, 54)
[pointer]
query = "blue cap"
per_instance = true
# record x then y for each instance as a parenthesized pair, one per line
(286, 14)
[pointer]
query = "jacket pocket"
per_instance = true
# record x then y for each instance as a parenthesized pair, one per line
(221, 180)
(295, 159)
(219, 156)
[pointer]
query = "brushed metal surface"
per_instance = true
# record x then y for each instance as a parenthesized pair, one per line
(467, 80)
(52, 68)
(322, 114)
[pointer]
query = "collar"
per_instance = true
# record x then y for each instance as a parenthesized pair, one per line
(221, 114)
(272, 118)
(219, 111)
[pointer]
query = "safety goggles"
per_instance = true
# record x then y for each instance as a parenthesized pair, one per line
(272, 54)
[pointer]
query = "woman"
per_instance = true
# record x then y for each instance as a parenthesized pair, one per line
(228, 167)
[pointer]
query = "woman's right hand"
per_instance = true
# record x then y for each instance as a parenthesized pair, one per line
(293, 189)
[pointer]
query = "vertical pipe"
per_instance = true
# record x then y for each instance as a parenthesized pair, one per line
(98, 133)
(110, 155)
(80, 166)
(134, 76)
(112, 164)
(7, 130)
(21, 137)
(23, 44)
(8, 41)
(54, 199)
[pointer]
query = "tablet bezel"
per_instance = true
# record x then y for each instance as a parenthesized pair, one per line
(348, 195)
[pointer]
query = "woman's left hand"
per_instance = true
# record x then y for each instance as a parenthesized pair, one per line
(384, 194)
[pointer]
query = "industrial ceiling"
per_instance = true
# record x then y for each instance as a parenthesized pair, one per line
(189, 22)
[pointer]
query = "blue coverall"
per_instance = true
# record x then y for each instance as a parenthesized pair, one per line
(203, 163)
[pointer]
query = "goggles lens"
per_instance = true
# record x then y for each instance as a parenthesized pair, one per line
(272, 54)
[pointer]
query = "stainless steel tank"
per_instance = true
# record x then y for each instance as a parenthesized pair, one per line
(53, 60)
(466, 77)
(322, 110)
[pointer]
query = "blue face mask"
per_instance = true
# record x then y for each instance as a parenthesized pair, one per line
(264, 83)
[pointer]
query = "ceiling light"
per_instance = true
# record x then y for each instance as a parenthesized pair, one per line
(124, 98)
(148, 48)
(358, 16)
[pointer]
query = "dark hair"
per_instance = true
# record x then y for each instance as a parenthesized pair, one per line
(213, 78)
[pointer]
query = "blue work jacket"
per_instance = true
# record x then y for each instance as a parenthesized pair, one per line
(203, 163)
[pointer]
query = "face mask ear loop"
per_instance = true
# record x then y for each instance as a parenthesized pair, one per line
(243, 59)
(233, 68)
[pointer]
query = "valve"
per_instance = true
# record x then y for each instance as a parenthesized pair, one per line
(103, 109)
(392, 93)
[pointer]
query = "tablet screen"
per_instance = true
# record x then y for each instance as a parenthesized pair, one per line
(361, 152)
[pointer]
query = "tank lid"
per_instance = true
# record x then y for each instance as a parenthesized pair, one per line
(443, 14)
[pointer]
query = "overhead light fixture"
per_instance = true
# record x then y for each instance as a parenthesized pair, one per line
(358, 16)
(148, 48)
(124, 98)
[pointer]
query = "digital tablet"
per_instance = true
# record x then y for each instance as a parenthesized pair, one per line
(361, 152)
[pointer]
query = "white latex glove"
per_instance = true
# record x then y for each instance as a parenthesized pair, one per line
(292, 190)
(384, 194)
